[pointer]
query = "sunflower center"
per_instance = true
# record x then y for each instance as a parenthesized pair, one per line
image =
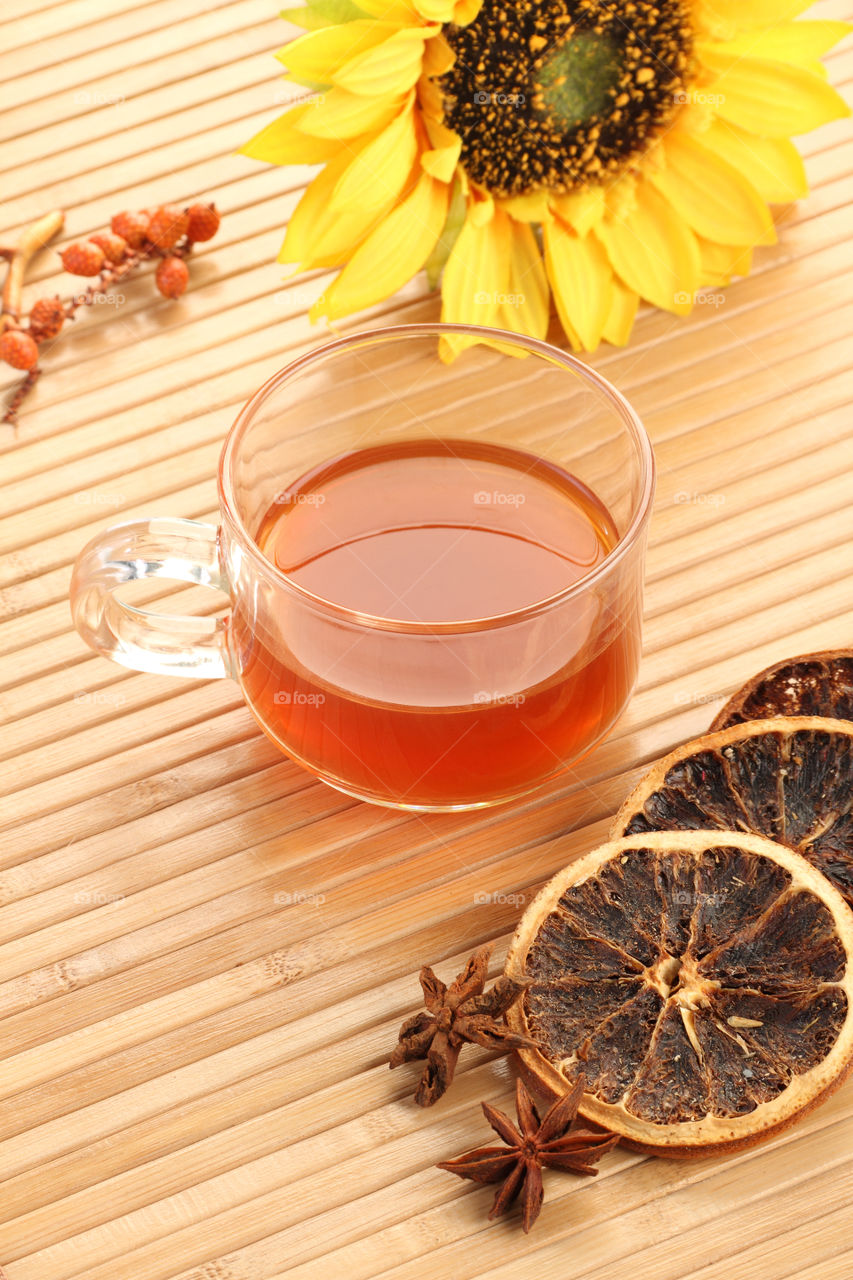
(576, 79)
(556, 94)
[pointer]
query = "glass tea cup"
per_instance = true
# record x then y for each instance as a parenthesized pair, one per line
(435, 571)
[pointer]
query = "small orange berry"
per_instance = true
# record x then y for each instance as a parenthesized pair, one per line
(172, 277)
(114, 247)
(83, 258)
(18, 349)
(132, 227)
(168, 225)
(46, 318)
(203, 222)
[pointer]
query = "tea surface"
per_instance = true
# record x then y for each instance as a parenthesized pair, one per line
(443, 533)
(436, 531)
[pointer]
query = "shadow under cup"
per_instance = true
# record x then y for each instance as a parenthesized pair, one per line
(411, 708)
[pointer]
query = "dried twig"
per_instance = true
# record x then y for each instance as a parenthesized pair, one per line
(10, 417)
(34, 238)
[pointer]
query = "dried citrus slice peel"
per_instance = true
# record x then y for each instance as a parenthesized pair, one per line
(701, 981)
(790, 779)
(813, 684)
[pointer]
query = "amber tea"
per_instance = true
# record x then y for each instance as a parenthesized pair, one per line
(439, 534)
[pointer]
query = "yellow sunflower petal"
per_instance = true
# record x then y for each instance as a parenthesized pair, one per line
(620, 198)
(582, 209)
(402, 12)
(338, 114)
(319, 236)
(574, 341)
(774, 166)
(393, 252)
(712, 196)
(481, 208)
(441, 162)
(283, 142)
(582, 280)
(436, 10)
(315, 57)
(458, 12)
(378, 173)
(438, 56)
(620, 318)
(730, 16)
(475, 276)
(525, 308)
(391, 67)
(799, 42)
(775, 99)
(654, 252)
(722, 261)
(532, 207)
(430, 101)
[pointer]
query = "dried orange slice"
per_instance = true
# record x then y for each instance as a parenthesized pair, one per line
(701, 981)
(790, 778)
(813, 684)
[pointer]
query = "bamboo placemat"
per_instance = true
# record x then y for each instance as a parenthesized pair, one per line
(193, 1078)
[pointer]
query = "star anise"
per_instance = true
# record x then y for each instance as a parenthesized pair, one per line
(456, 1014)
(534, 1145)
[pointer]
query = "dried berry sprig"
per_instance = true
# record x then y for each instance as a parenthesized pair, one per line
(534, 1144)
(461, 1013)
(168, 234)
(17, 347)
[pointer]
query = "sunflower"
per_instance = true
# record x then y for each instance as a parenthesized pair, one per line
(600, 151)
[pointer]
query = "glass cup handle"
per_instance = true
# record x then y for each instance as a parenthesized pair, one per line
(167, 644)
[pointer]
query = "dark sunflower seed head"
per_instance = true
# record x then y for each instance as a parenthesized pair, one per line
(557, 94)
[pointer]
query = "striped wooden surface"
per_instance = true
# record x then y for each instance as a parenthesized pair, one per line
(192, 1076)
